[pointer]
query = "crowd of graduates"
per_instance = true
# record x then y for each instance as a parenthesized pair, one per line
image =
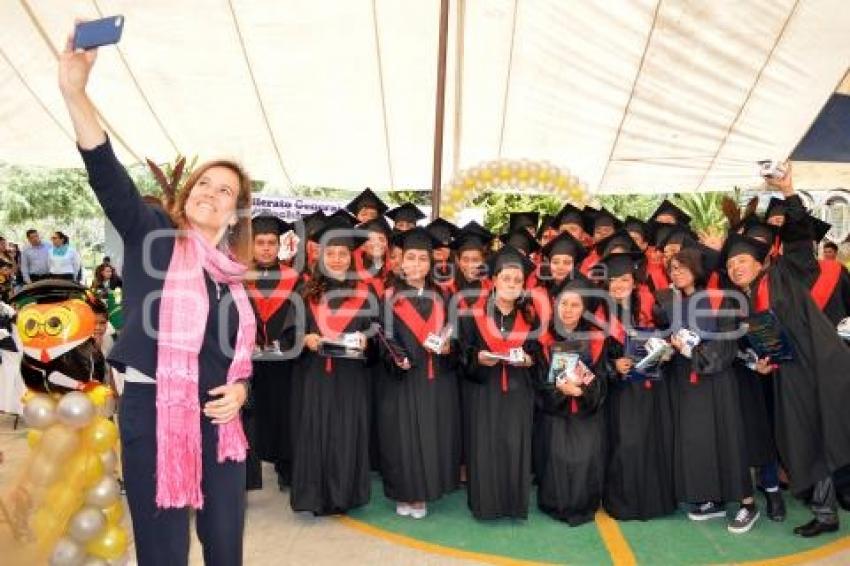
(425, 353)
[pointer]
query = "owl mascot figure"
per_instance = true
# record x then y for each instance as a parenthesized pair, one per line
(66, 508)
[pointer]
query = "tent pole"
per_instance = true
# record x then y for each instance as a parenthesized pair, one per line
(440, 112)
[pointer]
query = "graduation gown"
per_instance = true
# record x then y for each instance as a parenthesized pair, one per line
(811, 393)
(268, 416)
(571, 441)
(331, 400)
(418, 409)
(709, 450)
(639, 472)
(500, 405)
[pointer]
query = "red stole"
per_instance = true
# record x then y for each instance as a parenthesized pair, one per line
(821, 291)
(597, 341)
(265, 307)
(499, 344)
(761, 300)
(333, 322)
(589, 261)
(375, 280)
(420, 328)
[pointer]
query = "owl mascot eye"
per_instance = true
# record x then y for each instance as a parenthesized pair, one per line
(56, 321)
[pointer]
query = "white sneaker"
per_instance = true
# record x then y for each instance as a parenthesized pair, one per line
(419, 513)
(403, 509)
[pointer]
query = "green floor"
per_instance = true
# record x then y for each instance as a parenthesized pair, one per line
(669, 541)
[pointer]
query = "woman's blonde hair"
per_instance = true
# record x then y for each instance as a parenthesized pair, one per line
(238, 239)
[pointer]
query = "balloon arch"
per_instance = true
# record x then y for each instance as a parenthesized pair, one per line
(502, 174)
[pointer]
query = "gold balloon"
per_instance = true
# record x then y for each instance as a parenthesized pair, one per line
(44, 470)
(84, 469)
(46, 525)
(34, 437)
(505, 173)
(59, 442)
(63, 500)
(101, 435)
(486, 175)
(109, 544)
(114, 513)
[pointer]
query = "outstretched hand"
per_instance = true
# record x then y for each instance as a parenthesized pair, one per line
(74, 68)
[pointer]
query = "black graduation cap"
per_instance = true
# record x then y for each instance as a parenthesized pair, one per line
(737, 244)
(378, 224)
(547, 221)
(601, 217)
(54, 291)
(406, 212)
(620, 238)
(338, 231)
(443, 230)
(268, 224)
(776, 207)
(673, 234)
(619, 264)
(472, 236)
(509, 256)
(565, 244)
(416, 239)
(570, 214)
(474, 227)
(754, 227)
(366, 199)
(632, 224)
(313, 222)
(521, 240)
(819, 228)
(667, 207)
(343, 215)
(517, 220)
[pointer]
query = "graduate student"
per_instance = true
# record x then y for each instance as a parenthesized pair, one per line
(810, 391)
(418, 397)
(639, 477)
(332, 386)
(501, 358)
(271, 290)
(709, 451)
(571, 426)
(563, 256)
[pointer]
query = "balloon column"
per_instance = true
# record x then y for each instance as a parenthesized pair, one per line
(76, 501)
(514, 174)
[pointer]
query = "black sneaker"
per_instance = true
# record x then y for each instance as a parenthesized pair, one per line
(706, 511)
(775, 505)
(814, 528)
(744, 520)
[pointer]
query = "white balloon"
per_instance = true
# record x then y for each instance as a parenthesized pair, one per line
(40, 412)
(67, 553)
(109, 460)
(75, 409)
(104, 493)
(86, 523)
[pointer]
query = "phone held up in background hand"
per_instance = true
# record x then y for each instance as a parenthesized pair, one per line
(97, 33)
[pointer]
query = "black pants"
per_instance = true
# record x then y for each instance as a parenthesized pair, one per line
(162, 535)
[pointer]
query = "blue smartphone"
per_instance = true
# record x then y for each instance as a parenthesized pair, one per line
(107, 31)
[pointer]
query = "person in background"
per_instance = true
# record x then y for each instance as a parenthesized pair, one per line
(830, 251)
(105, 279)
(64, 260)
(7, 277)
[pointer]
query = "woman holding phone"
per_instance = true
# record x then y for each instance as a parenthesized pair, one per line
(183, 447)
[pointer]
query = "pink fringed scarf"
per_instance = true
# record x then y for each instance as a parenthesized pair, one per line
(182, 314)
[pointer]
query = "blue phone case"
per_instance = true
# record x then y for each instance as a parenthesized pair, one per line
(106, 31)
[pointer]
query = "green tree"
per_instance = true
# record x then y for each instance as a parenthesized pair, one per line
(705, 210)
(499, 205)
(639, 206)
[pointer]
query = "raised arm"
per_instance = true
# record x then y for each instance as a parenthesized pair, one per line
(117, 194)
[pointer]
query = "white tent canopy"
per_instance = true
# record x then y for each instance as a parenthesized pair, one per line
(631, 96)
